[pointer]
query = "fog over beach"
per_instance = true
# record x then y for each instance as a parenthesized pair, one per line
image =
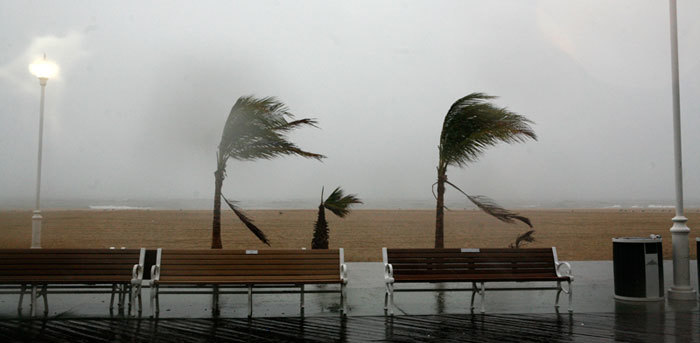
(137, 109)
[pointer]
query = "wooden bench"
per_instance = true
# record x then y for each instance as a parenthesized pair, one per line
(475, 266)
(71, 271)
(219, 272)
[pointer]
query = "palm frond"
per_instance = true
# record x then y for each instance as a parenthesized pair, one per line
(491, 207)
(472, 124)
(247, 221)
(340, 204)
(256, 128)
(523, 238)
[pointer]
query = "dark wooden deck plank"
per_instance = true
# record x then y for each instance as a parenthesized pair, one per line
(579, 327)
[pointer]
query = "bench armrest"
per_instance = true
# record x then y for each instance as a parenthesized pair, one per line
(344, 273)
(568, 273)
(137, 273)
(155, 273)
(388, 273)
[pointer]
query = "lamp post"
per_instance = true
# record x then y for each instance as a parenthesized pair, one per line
(43, 69)
(681, 289)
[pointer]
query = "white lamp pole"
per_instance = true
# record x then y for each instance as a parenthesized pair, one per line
(42, 69)
(681, 289)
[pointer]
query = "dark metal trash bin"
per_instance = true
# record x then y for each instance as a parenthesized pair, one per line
(638, 268)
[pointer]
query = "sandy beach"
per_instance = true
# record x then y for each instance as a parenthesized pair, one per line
(577, 234)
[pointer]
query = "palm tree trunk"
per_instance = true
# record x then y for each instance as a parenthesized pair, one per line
(439, 210)
(216, 222)
(320, 239)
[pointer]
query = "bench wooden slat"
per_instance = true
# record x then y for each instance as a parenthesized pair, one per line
(240, 266)
(416, 265)
(480, 278)
(65, 278)
(459, 250)
(414, 260)
(67, 265)
(467, 273)
(225, 252)
(241, 272)
(184, 264)
(246, 279)
(232, 257)
(70, 251)
(78, 267)
(133, 261)
(253, 267)
(469, 255)
(50, 272)
(400, 266)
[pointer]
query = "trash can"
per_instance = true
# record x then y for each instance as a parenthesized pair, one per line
(638, 268)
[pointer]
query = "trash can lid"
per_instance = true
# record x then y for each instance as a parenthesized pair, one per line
(651, 239)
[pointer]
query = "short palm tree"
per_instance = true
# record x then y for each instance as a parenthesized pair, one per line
(339, 204)
(471, 125)
(256, 128)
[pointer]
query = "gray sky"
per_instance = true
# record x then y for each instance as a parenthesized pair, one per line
(145, 88)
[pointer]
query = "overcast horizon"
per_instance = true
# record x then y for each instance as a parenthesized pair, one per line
(144, 88)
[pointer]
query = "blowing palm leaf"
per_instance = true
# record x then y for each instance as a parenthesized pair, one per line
(471, 125)
(256, 128)
(523, 238)
(338, 203)
(247, 221)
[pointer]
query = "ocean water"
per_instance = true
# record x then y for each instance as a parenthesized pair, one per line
(429, 203)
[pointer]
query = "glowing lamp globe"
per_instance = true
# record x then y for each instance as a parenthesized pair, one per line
(43, 68)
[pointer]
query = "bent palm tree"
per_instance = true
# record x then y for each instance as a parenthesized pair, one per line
(339, 204)
(471, 125)
(256, 128)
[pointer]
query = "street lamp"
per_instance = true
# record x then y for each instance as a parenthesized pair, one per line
(681, 289)
(43, 69)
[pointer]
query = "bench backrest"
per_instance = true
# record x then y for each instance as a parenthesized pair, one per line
(470, 263)
(249, 266)
(79, 266)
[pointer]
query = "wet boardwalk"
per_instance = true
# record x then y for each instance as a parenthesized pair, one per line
(584, 327)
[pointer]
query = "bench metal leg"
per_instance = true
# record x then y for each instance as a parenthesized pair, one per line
(250, 301)
(390, 292)
(386, 298)
(140, 301)
(215, 300)
(556, 301)
(135, 290)
(21, 296)
(155, 306)
(157, 301)
(129, 305)
(343, 300)
(483, 297)
(32, 306)
(571, 309)
(120, 298)
(46, 300)
(111, 299)
(474, 291)
(301, 299)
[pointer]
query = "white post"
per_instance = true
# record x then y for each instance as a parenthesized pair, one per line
(36, 217)
(681, 289)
